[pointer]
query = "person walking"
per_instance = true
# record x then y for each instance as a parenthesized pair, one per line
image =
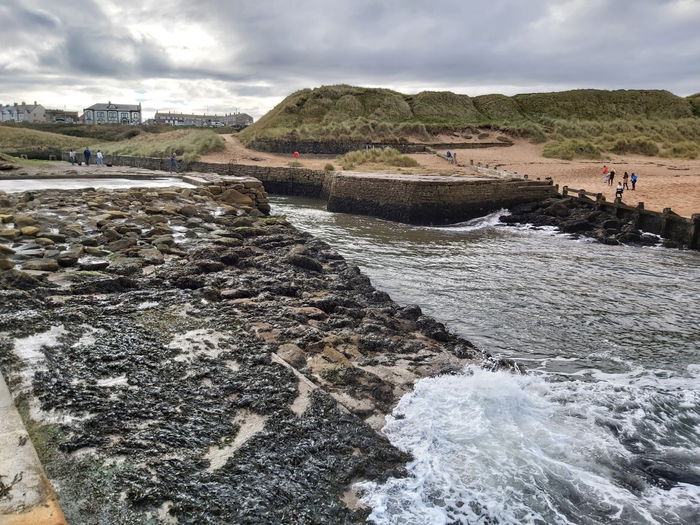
(624, 181)
(87, 154)
(454, 158)
(173, 163)
(611, 177)
(618, 192)
(605, 173)
(100, 158)
(71, 156)
(633, 180)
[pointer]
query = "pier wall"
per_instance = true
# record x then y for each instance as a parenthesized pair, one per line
(411, 199)
(429, 200)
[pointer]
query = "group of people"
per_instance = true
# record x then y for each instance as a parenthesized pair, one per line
(624, 184)
(87, 155)
(452, 157)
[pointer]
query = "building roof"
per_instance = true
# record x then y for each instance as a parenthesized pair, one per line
(185, 115)
(115, 107)
(60, 112)
(24, 106)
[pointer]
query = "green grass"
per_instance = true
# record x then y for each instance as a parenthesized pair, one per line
(388, 156)
(189, 144)
(19, 139)
(570, 149)
(648, 122)
(101, 133)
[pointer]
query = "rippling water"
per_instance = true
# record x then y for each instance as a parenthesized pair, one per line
(604, 429)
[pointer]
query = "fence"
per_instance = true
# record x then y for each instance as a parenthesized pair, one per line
(667, 224)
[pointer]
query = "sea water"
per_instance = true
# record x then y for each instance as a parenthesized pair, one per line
(604, 427)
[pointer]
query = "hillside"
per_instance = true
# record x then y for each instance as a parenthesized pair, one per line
(187, 143)
(644, 121)
(14, 138)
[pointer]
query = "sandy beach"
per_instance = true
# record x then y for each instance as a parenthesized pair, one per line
(663, 183)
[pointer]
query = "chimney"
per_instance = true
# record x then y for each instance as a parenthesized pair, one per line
(35, 103)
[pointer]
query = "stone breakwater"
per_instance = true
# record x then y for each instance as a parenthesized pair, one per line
(178, 355)
(429, 200)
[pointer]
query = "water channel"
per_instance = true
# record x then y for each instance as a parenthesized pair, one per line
(605, 427)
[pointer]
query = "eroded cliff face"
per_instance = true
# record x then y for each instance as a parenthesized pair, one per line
(178, 355)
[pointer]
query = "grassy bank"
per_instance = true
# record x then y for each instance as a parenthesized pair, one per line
(187, 143)
(17, 138)
(386, 156)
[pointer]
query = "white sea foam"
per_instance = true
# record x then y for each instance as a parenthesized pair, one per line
(479, 223)
(492, 447)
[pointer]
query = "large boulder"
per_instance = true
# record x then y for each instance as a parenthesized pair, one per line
(24, 220)
(231, 196)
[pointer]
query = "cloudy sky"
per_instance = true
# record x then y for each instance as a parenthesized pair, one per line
(219, 55)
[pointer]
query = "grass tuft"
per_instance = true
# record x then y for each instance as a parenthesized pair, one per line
(388, 156)
(571, 148)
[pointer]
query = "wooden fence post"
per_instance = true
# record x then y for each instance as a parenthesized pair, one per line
(694, 232)
(665, 222)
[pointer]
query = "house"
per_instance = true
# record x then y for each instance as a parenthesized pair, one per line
(186, 119)
(237, 120)
(110, 113)
(22, 113)
(60, 116)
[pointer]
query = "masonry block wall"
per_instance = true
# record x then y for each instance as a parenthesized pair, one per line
(429, 201)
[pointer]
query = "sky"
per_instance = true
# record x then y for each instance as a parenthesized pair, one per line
(221, 56)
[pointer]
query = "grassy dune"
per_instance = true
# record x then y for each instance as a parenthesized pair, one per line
(187, 143)
(388, 156)
(16, 138)
(651, 122)
(101, 133)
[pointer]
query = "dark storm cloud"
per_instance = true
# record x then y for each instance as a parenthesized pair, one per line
(271, 47)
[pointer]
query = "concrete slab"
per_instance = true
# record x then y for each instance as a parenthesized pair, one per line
(25, 493)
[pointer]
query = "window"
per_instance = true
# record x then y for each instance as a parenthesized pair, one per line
(100, 114)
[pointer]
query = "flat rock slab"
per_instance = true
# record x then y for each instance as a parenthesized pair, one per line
(25, 493)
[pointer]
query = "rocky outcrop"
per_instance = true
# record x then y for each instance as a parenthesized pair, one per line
(576, 217)
(185, 356)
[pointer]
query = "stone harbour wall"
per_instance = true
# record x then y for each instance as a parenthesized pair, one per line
(429, 200)
(413, 199)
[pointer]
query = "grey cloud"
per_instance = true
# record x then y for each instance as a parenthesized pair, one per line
(281, 46)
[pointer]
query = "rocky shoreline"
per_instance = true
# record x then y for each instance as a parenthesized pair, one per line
(180, 356)
(580, 218)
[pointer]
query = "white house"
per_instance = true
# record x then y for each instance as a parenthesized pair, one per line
(22, 113)
(110, 113)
